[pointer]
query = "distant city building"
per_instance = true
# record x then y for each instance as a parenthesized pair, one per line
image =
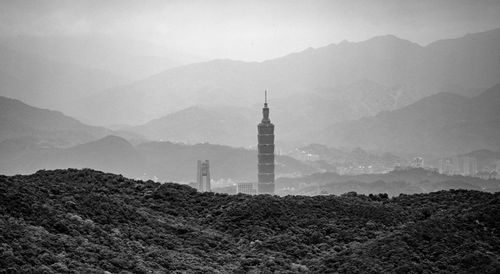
(469, 166)
(265, 153)
(465, 166)
(445, 166)
(497, 169)
(203, 176)
(246, 188)
(418, 162)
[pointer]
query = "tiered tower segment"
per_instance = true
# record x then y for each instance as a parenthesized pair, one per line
(203, 176)
(265, 152)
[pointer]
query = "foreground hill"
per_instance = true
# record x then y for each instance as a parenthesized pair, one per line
(442, 124)
(74, 221)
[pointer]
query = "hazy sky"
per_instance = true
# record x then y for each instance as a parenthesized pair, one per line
(250, 30)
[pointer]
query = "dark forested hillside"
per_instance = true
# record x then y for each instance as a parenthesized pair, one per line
(85, 221)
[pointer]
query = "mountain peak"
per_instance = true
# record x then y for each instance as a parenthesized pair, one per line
(388, 40)
(109, 146)
(111, 140)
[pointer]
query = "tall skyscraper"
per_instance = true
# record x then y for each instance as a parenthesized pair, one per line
(265, 152)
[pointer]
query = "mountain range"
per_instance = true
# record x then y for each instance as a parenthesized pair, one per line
(463, 66)
(22, 123)
(234, 126)
(33, 138)
(370, 94)
(53, 71)
(443, 123)
(296, 116)
(19, 120)
(161, 160)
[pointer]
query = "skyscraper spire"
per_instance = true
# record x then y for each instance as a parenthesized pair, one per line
(265, 152)
(265, 110)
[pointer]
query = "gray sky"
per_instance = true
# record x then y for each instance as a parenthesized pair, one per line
(251, 30)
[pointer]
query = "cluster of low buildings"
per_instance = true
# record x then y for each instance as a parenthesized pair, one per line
(465, 166)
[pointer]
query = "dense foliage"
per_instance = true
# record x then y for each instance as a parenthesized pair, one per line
(69, 221)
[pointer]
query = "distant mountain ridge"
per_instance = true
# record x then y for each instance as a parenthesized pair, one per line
(461, 66)
(197, 124)
(21, 121)
(442, 124)
(163, 160)
(293, 115)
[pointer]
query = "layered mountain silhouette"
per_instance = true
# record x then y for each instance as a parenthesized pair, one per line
(219, 101)
(213, 124)
(163, 160)
(109, 153)
(463, 66)
(295, 115)
(46, 127)
(18, 119)
(441, 124)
